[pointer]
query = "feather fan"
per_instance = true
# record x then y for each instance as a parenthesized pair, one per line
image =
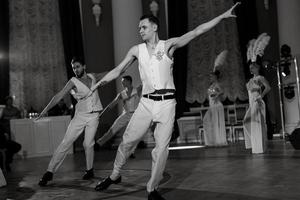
(220, 60)
(257, 47)
(250, 49)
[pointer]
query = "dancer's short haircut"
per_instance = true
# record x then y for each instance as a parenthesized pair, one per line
(129, 78)
(78, 59)
(151, 19)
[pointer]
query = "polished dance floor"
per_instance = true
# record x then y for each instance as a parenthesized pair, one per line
(227, 173)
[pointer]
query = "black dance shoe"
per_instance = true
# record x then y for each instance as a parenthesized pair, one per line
(106, 183)
(154, 195)
(48, 176)
(88, 174)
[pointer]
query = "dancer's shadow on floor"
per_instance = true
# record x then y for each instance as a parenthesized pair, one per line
(178, 194)
(13, 189)
(114, 191)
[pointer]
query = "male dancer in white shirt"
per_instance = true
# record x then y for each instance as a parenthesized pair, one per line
(130, 98)
(85, 120)
(157, 105)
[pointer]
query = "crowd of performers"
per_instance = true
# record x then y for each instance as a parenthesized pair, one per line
(152, 103)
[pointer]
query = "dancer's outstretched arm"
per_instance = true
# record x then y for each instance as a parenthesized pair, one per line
(173, 43)
(121, 68)
(99, 76)
(56, 98)
(112, 104)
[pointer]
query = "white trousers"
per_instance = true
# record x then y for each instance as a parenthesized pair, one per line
(121, 122)
(163, 114)
(87, 122)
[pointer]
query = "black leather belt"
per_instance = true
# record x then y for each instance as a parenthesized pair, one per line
(163, 91)
(159, 97)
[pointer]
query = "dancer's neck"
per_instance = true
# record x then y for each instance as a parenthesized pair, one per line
(152, 42)
(84, 76)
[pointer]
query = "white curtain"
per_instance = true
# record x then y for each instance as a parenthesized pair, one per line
(203, 51)
(37, 66)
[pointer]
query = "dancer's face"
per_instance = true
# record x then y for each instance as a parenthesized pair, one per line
(78, 69)
(147, 29)
(254, 69)
(126, 83)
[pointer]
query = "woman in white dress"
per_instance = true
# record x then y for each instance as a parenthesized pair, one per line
(255, 117)
(2, 179)
(214, 120)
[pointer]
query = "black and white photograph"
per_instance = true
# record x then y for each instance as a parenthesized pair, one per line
(149, 99)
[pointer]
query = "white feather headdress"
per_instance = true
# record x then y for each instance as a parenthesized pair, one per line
(257, 46)
(220, 60)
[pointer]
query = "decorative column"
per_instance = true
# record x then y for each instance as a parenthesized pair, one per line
(288, 29)
(126, 15)
(126, 18)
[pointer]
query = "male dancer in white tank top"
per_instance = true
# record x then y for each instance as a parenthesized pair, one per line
(157, 105)
(85, 120)
(130, 98)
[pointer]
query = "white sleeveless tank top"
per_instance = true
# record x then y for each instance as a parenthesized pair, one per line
(156, 71)
(131, 102)
(89, 104)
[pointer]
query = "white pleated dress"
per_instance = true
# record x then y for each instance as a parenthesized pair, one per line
(254, 121)
(214, 120)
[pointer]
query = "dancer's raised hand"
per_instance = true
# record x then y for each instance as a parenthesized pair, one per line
(228, 13)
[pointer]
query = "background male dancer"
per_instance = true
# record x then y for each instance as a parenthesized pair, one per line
(130, 98)
(86, 119)
(157, 105)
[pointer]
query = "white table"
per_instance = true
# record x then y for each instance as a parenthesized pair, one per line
(189, 125)
(189, 129)
(39, 138)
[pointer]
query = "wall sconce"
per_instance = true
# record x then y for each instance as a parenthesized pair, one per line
(266, 3)
(97, 10)
(154, 7)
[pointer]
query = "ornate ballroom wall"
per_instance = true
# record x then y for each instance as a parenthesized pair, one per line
(37, 66)
(203, 51)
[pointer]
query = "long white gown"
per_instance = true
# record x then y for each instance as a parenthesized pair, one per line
(2, 179)
(214, 120)
(254, 120)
